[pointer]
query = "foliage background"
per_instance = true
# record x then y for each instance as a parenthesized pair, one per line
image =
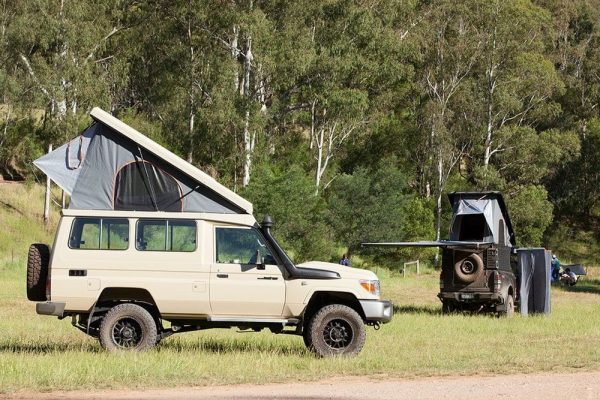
(345, 120)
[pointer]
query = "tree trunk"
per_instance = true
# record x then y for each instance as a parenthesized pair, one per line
(491, 87)
(319, 143)
(191, 99)
(248, 137)
(438, 208)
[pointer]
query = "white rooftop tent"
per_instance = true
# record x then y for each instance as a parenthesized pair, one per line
(111, 166)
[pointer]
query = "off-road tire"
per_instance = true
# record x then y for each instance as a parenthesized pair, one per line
(38, 259)
(469, 268)
(509, 303)
(336, 329)
(128, 327)
(306, 336)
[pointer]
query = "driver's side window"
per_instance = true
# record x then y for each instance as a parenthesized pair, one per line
(239, 246)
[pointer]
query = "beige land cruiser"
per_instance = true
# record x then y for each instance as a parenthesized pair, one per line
(120, 273)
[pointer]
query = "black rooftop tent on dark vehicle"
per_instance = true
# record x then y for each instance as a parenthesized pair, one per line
(111, 166)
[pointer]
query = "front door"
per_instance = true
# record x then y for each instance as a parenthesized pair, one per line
(238, 286)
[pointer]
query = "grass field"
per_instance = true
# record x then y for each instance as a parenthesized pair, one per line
(43, 353)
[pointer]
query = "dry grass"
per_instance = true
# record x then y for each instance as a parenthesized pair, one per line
(43, 353)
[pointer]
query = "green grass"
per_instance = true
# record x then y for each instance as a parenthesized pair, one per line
(42, 353)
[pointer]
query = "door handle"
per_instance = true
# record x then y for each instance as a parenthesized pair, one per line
(222, 275)
(268, 278)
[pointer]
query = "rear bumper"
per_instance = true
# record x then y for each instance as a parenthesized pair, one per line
(472, 297)
(377, 310)
(50, 308)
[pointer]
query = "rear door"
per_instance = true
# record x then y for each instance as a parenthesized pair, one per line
(238, 286)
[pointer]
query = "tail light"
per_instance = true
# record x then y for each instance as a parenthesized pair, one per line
(497, 281)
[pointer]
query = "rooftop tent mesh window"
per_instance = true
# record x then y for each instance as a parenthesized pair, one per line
(141, 186)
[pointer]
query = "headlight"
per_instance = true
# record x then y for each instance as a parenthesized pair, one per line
(370, 286)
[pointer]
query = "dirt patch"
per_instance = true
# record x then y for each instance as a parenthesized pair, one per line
(581, 386)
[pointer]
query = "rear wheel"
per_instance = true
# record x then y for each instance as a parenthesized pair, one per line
(38, 259)
(510, 306)
(336, 329)
(128, 327)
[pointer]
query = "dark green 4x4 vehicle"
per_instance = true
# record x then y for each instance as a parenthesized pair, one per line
(479, 257)
(478, 261)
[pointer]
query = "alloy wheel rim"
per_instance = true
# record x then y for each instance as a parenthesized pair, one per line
(338, 334)
(127, 333)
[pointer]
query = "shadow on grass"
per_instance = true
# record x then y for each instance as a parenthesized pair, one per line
(203, 346)
(584, 286)
(46, 348)
(412, 309)
(227, 346)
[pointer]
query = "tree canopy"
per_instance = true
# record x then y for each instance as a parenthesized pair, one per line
(345, 120)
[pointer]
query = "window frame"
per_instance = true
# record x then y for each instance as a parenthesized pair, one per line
(249, 228)
(166, 226)
(100, 226)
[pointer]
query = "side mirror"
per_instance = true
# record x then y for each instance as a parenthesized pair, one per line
(259, 260)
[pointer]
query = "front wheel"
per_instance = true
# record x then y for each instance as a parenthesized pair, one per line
(336, 329)
(128, 327)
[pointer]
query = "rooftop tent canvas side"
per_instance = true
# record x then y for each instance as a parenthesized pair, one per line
(160, 186)
(64, 164)
(119, 168)
(481, 217)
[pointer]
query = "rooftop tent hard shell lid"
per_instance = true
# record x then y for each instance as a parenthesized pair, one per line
(480, 216)
(111, 166)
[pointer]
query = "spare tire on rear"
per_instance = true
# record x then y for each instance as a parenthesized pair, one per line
(38, 259)
(467, 269)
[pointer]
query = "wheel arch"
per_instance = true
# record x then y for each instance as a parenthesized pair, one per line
(319, 299)
(116, 295)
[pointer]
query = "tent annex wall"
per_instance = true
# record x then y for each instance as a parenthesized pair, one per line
(111, 166)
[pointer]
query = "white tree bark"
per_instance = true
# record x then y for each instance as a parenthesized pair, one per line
(249, 137)
(191, 94)
(328, 139)
(491, 87)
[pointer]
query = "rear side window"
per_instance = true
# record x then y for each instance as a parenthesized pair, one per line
(99, 234)
(166, 235)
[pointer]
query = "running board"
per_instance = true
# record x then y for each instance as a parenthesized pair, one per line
(286, 321)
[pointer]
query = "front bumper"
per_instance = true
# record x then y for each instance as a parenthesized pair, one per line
(377, 310)
(50, 308)
(472, 297)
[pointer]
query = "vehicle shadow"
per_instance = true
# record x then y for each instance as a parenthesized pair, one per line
(205, 346)
(47, 348)
(227, 346)
(583, 286)
(412, 309)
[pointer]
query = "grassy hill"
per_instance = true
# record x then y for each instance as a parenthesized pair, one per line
(21, 219)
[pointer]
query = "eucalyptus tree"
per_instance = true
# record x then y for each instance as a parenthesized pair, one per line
(179, 78)
(356, 62)
(61, 48)
(451, 44)
(519, 83)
